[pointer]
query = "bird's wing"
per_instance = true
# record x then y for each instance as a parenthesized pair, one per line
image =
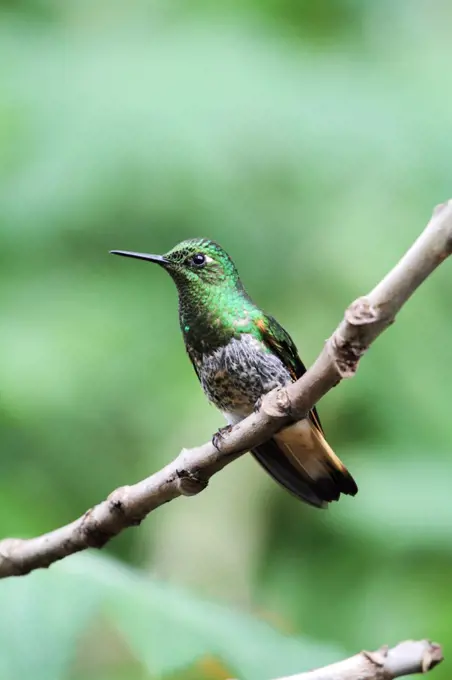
(281, 344)
(192, 357)
(299, 457)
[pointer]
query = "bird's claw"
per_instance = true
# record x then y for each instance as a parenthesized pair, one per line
(218, 436)
(257, 405)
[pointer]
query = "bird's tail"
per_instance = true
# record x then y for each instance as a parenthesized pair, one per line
(300, 458)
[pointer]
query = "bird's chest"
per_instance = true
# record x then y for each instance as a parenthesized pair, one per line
(235, 376)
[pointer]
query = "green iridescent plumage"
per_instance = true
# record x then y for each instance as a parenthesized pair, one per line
(213, 305)
(239, 354)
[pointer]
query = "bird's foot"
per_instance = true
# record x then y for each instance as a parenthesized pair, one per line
(258, 404)
(219, 435)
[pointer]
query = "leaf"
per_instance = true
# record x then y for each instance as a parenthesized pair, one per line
(168, 628)
(43, 615)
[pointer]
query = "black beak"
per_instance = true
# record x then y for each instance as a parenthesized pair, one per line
(159, 259)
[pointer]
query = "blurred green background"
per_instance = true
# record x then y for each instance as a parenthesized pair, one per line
(311, 139)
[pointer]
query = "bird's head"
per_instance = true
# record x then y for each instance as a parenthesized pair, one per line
(195, 264)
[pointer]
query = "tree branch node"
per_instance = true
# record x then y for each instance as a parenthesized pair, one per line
(190, 483)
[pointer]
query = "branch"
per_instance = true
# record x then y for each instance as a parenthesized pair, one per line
(405, 658)
(189, 473)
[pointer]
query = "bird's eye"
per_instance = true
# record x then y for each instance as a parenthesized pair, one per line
(198, 260)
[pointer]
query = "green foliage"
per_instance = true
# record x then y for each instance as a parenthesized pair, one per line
(46, 617)
(164, 627)
(312, 144)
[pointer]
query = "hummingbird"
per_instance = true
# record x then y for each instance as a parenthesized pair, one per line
(240, 353)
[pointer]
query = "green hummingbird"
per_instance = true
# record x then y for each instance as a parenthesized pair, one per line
(240, 353)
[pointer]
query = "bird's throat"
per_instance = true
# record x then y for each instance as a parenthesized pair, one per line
(211, 319)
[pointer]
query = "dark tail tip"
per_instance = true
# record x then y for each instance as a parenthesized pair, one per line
(316, 492)
(344, 481)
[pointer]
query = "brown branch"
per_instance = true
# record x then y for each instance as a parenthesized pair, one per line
(189, 473)
(405, 658)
